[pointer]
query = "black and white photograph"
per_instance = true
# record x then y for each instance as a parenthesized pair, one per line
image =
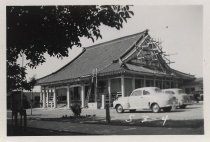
(104, 70)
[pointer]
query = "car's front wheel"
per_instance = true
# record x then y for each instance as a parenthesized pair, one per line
(119, 109)
(155, 108)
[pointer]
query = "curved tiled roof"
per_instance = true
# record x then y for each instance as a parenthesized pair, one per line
(98, 56)
(105, 57)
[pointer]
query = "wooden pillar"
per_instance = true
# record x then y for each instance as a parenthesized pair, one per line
(165, 83)
(47, 97)
(40, 97)
(109, 91)
(44, 98)
(144, 81)
(50, 95)
(133, 83)
(103, 102)
(176, 83)
(96, 87)
(68, 97)
(83, 96)
(95, 94)
(154, 82)
(123, 86)
(54, 97)
(170, 83)
(162, 84)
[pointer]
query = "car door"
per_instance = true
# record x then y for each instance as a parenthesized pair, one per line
(136, 99)
(146, 99)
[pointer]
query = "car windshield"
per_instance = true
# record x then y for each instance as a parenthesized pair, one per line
(157, 90)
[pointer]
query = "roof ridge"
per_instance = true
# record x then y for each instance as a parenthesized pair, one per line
(114, 40)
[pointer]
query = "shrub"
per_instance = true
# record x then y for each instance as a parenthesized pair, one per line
(76, 109)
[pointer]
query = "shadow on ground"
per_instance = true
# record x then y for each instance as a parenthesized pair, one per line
(28, 131)
(144, 122)
(175, 126)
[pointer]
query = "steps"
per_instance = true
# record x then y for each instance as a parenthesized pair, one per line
(50, 103)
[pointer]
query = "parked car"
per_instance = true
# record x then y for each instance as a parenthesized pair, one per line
(183, 98)
(147, 98)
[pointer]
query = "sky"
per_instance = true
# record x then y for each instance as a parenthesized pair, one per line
(179, 28)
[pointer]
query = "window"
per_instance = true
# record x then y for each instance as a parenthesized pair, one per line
(145, 92)
(102, 85)
(137, 93)
(139, 83)
(158, 84)
(149, 83)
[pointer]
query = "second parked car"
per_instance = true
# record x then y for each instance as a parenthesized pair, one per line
(183, 99)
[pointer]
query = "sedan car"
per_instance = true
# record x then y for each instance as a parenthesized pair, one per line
(146, 98)
(183, 99)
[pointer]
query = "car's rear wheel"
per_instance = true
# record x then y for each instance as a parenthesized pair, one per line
(119, 109)
(167, 109)
(155, 108)
(182, 106)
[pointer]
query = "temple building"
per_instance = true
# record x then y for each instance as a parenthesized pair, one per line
(103, 72)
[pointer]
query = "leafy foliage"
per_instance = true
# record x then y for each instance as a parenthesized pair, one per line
(15, 77)
(31, 83)
(36, 30)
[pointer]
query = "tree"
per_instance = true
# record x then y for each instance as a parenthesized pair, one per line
(31, 83)
(36, 30)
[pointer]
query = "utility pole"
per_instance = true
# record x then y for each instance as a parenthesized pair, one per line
(32, 100)
(108, 120)
(23, 115)
(21, 97)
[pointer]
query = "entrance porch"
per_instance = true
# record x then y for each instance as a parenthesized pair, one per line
(106, 91)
